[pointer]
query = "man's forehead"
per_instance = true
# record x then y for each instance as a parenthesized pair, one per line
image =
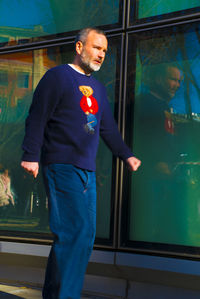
(95, 36)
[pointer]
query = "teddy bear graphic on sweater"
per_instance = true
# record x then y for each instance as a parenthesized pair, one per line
(90, 107)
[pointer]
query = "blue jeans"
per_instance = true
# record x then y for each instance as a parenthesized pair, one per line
(72, 218)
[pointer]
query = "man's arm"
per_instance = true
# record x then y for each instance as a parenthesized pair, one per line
(113, 139)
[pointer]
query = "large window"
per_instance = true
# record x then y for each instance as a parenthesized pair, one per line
(22, 21)
(142, 11)
(164, 100)
(109, 76)
(22, 199)
(23, 205)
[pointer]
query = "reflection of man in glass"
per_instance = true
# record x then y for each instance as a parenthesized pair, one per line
(167, 81)
(156, 145)
(154, 115)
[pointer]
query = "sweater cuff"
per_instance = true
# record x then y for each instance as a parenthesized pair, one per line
(29, 157)
(127, 155)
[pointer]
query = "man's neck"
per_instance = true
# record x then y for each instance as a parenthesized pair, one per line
(74, 67)
(78, 66)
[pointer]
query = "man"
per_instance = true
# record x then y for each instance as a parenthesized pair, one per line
(68, 113)
(157, 144)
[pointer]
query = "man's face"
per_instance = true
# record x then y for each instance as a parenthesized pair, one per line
(93, 51)
(172, 81)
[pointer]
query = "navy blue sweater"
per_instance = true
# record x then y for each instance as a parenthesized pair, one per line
(68, 113)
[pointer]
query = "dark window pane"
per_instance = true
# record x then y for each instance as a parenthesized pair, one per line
(23, 205)
(29, 212)
(108, 76)
(154, 7)
(3, 79)
(23, 80)
(22, 20)
(164, 104)
(147, 11)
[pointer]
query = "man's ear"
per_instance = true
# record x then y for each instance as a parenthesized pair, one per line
(79, 47)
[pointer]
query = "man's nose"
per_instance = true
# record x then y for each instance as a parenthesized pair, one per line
(101, 54)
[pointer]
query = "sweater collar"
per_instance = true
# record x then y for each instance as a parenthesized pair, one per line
(75, 69)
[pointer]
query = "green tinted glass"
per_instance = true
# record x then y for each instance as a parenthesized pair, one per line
(165, 200)
(104, 157)
(22, 20)
(23, 203)
(154, 8)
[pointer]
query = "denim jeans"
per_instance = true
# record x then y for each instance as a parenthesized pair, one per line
(72, 218)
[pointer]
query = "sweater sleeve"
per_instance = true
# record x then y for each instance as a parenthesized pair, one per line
(45, 99)
(111, 135)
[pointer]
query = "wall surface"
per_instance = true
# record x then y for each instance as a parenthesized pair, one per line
(111, 274)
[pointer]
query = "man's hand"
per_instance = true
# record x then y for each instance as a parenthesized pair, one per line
(133, 163)
(31, 167)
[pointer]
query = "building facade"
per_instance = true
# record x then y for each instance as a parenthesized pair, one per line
(148, 223)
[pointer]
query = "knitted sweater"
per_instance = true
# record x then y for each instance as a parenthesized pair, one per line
(68, 113)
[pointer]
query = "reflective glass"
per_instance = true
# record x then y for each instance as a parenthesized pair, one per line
(164, 98)
(21, 20)
(23, 203)
(154, 7)
(104, 157)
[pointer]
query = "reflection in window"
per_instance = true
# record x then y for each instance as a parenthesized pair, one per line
(104, 157)
(152, 8)
(3, 79)
(23, 80)
(21, 20)
(23, 205)
(165, 199)
(29, 211)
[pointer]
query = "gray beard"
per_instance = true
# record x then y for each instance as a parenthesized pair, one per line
(88, 65)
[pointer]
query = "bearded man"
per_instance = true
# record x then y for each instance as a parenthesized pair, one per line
(68, 113)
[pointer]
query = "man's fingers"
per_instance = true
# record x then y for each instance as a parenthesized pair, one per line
(35, 173)
(133, 163)
(30, 167)
(137, 164)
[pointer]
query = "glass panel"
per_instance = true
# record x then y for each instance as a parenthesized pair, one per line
(164, 98)
(104, 157)
(21, 20)
(147, 11)
(154, 7)
(23, 204)
(23, 80)
(4, 79)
